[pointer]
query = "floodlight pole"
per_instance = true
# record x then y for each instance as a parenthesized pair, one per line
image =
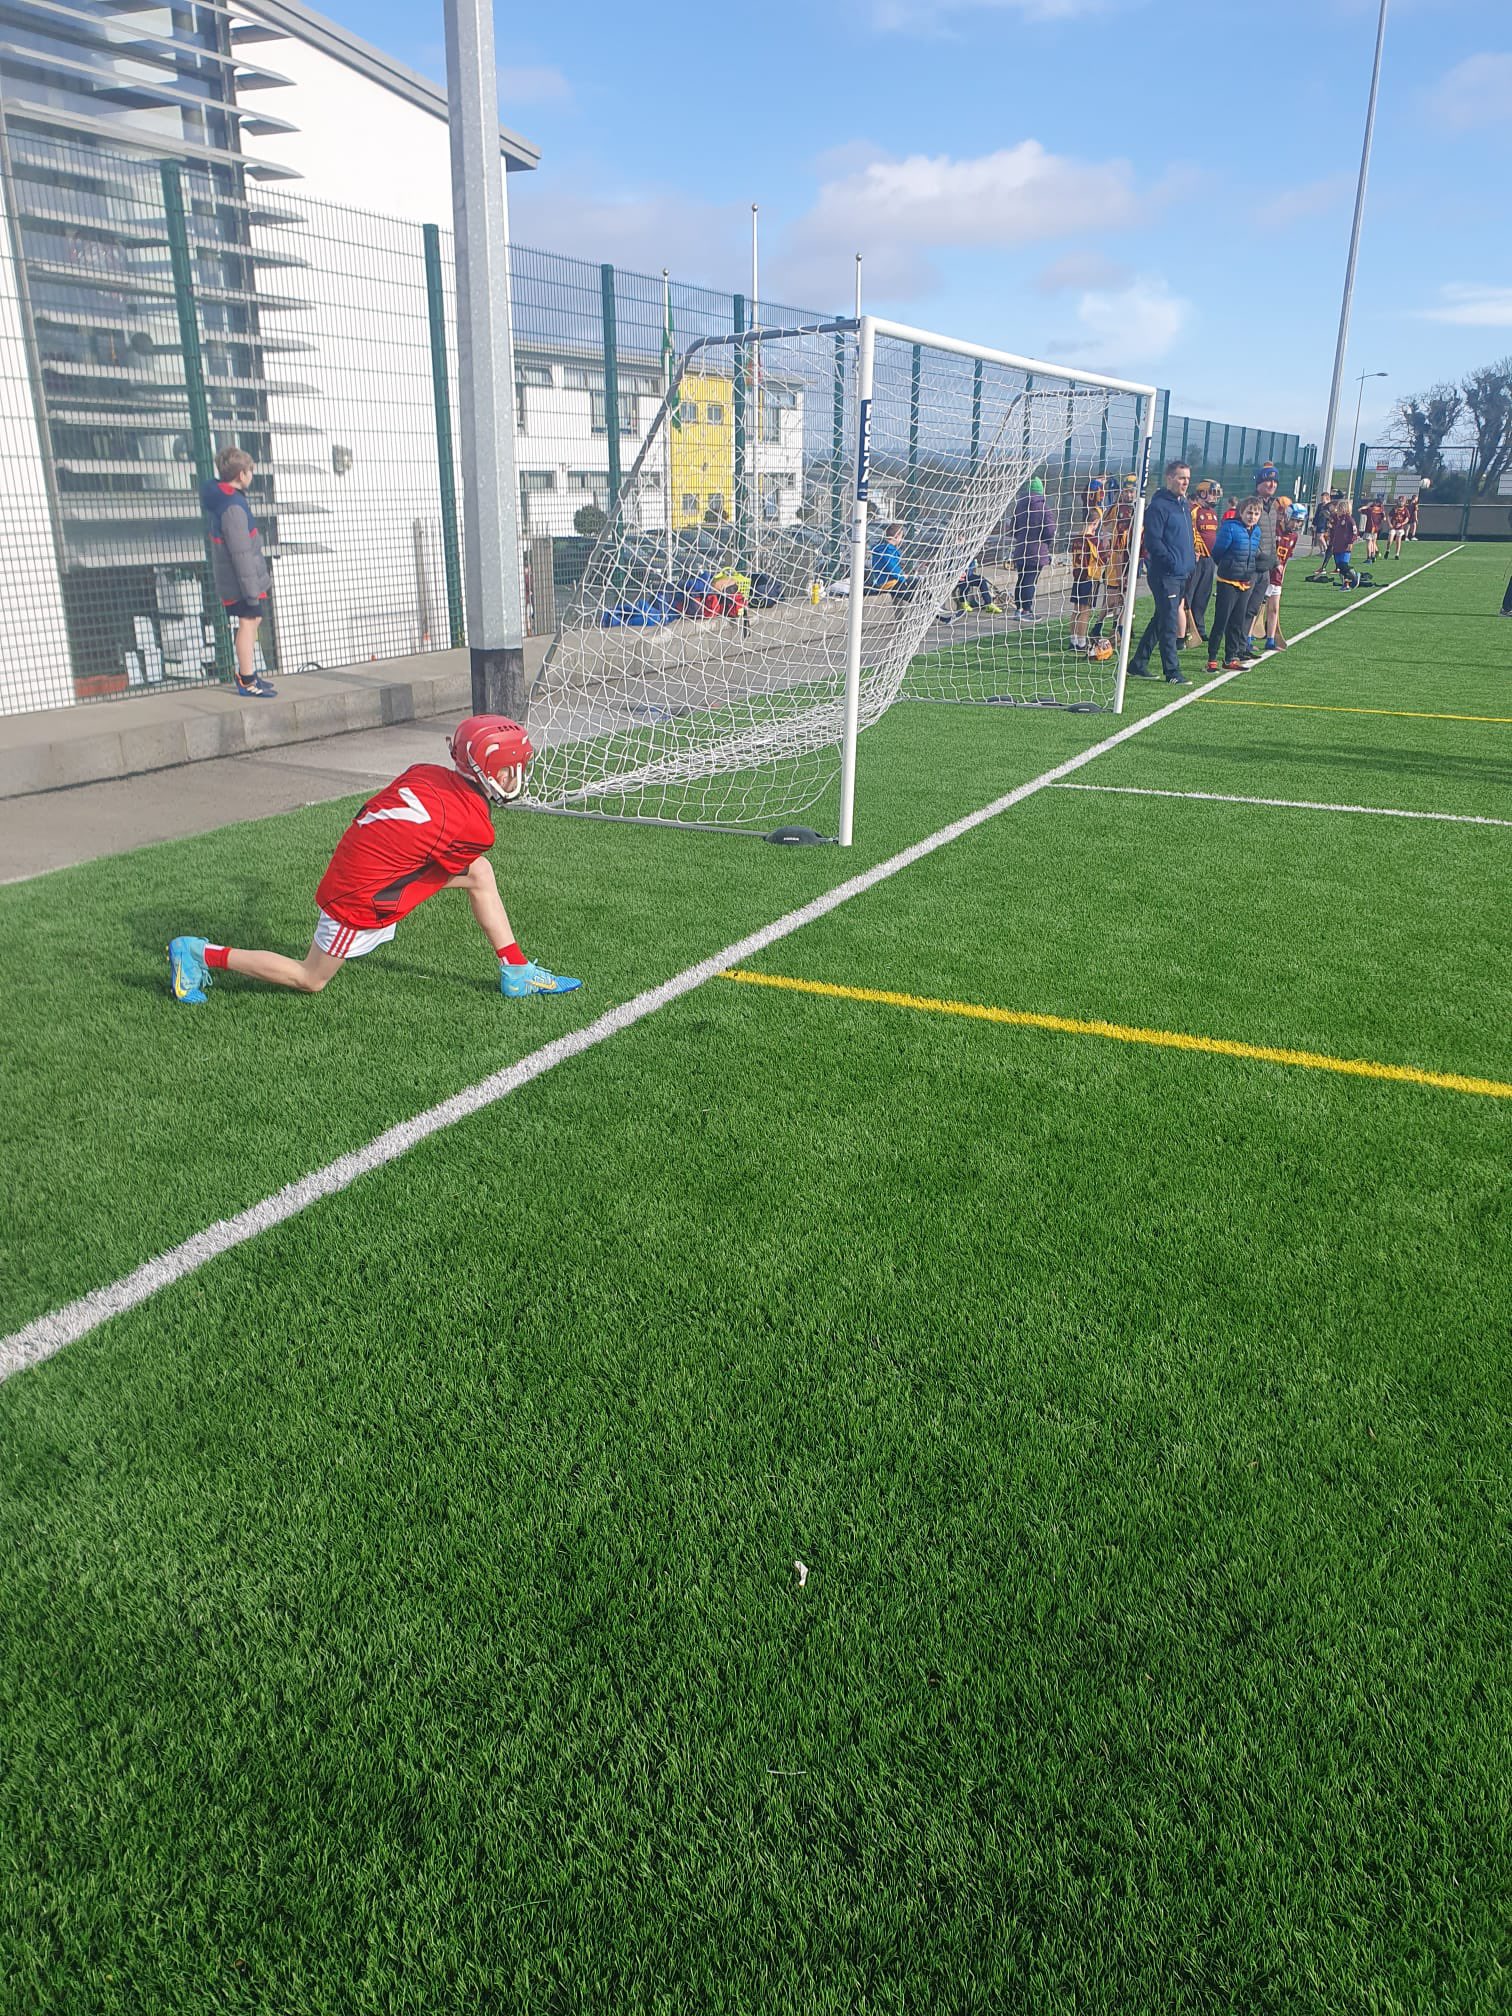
(1331, 429)
(495, 598)
(1359, 403)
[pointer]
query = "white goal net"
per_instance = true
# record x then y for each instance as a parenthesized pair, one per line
(840, 505)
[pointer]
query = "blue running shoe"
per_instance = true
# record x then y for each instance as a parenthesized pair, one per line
(517, 981)
(188, 974)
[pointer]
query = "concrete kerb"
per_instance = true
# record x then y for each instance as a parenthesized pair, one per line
(98, 742)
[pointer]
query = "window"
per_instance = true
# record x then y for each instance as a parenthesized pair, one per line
(598, 415)
(714, 414)
(537, 479)
(690, 501)
(532, 374)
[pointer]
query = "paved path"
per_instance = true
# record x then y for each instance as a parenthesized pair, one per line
(56, 829)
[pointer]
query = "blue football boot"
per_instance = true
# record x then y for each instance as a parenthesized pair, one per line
(517, 981)
(188, 974)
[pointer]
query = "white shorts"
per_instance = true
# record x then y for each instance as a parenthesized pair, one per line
(1273, 593)
(346, 941)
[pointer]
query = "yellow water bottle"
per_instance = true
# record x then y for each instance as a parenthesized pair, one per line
(814, 593)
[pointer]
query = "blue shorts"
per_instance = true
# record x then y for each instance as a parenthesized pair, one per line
(1084, 594)
(246, 607)
(1345, 561)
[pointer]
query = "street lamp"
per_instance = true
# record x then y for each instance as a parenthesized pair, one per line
(1354, 438)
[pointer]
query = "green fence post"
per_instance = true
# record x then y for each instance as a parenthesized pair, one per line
(446, 467)
(611, 384)
(976, 412)
(203, 442)
(1359, 473)
(1165, 428)
(742, 502)
(1102, 446)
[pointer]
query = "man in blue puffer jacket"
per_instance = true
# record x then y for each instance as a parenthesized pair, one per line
(1171, 556)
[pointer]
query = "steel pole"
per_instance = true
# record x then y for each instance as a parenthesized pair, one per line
(1330, 431)
(485, 358)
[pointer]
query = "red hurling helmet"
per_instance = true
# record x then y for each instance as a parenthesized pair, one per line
(493, 751)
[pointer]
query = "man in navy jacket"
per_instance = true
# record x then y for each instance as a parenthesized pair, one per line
(1171, 556)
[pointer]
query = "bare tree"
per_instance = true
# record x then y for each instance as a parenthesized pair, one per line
(1423, 423)
(1488, 405)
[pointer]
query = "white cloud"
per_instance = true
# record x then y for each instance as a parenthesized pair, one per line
(1134, 325)
(531, 84)
(1481, 306)
(642, 229)
(1308, 199)
(900, 212)
(1477, 92)
(1082, 270)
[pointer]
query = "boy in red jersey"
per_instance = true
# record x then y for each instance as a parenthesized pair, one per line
(429, 830)
(1288, 531)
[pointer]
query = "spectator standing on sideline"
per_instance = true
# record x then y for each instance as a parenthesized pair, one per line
(1118, 530)
(1267, 485)
(1412, 517)
(1171, 556)
(1032, 535)
(1287, 535)
(1320, 525)
(1237, 558)
(242, 576)
(1506, 607)
(1199, 583)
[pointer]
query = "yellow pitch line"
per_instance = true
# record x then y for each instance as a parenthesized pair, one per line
(1397, 713)
(1164, 1039)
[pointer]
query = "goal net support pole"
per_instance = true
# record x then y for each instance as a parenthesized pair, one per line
(865, 386)
(1136, 539)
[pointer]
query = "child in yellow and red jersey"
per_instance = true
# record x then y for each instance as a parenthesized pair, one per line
(1372, 518)
(1117, 529)
(1086, 563)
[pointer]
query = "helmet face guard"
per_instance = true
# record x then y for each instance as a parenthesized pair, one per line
(494, 752)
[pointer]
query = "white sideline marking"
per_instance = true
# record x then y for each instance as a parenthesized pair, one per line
(1289, 804)
(42, 1338)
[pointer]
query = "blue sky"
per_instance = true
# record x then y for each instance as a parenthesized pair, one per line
(1156, 186)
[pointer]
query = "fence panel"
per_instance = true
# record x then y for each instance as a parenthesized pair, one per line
(153, 313)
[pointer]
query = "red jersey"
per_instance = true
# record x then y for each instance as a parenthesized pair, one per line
(1204, 529)
(1286, 545)
(1373, 518)
(1341, 531)
(1399, 515)
(407, 842)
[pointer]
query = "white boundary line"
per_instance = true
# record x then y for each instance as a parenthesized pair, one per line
(1288, 804)
(41, 1339)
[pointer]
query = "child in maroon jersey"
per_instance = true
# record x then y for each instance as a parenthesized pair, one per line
(428, 830)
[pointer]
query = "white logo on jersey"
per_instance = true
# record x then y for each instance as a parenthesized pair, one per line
(412, 812)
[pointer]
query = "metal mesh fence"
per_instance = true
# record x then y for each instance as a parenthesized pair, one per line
(154, 312)
(1228, 454)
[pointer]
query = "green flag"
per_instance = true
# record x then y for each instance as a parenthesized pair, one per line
(669, 359)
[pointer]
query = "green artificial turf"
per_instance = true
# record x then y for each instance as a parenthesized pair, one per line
(401, 1613)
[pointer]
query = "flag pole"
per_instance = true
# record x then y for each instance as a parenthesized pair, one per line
(858, 286)
(667, 362)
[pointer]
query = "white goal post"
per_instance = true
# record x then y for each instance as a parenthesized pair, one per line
(818, 523)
